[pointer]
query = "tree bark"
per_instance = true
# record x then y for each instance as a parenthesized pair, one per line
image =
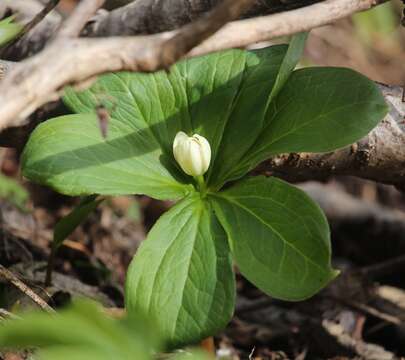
(153, 16)
(138, 17)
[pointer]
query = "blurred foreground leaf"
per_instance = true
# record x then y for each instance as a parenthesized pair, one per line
(8, 30)
(12, 191)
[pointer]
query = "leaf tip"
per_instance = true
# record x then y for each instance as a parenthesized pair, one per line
(334, 274)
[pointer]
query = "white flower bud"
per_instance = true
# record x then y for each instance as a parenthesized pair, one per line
(193, 153)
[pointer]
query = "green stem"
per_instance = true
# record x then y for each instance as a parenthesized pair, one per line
(201, 184)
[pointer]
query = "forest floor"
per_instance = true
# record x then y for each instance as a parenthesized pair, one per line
(361, 315)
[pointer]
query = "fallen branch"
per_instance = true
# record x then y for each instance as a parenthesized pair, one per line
(341, 207)
(141, 17)
(38, 80)
(364, 231)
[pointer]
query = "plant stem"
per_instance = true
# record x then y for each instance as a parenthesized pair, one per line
(201, 184)
(50, 266)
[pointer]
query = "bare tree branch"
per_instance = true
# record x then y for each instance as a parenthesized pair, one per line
(138, 17)
(38, 80)
(199, 30)
(82, 13)
(154, 16)
(5, 67)
(246, 32)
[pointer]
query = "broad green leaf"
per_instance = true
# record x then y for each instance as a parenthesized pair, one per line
(70, 222)
(80, 353)
(318, 110)
(290, 61)
(278, 236)
(196, 96)
(91, 353)
(81, 327)
(212, 87)
(249, 115)
(200, 95)
(246, 119)
(182, 274)
(147, 110)
(70, 155)
(8, 30)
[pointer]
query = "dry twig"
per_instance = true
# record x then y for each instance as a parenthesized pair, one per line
(82, 13)
(387, 267)
(9, 276)
(4, 314)
(366, 309)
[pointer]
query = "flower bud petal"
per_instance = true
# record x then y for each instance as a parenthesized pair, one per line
(192, 153)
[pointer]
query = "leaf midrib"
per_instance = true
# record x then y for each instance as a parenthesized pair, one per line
(233, 201)
(199, 210)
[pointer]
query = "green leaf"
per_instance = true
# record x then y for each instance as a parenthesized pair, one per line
(249, 116)
(290, 61)
(70, 222)
(318, 110)
(78, 353)
(146, 111)
(182, 274)
(211, 84)
(248, 111)
(246, 103)
(69, 154)
(200, 95)
(195, 97)
(83, 327)
(8, 30)
(278, 236)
